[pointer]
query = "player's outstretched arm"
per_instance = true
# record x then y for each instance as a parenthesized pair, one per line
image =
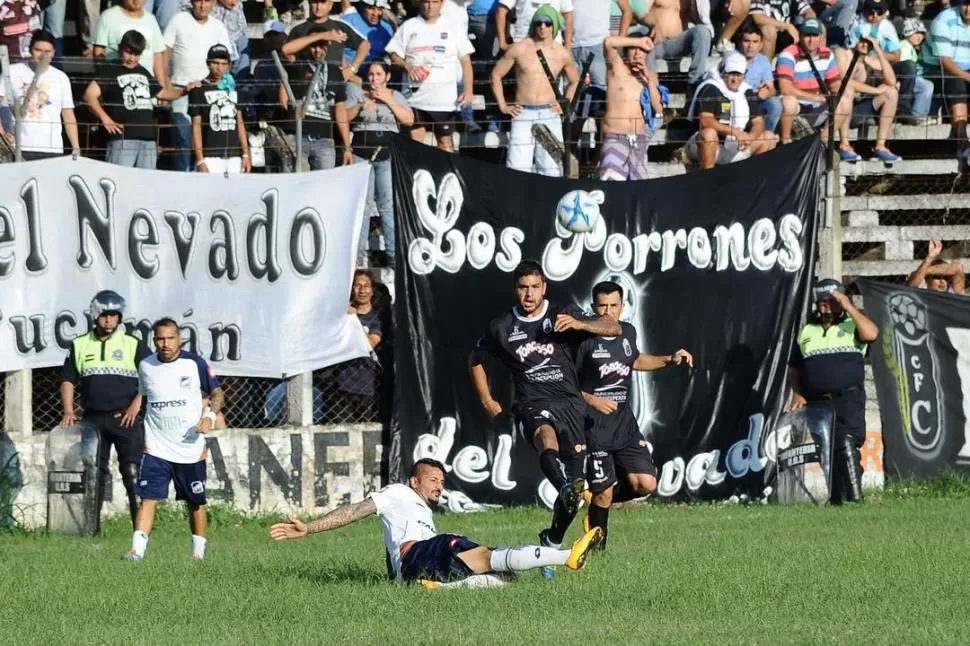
(649, 362)
(339, 517)
(600, 326)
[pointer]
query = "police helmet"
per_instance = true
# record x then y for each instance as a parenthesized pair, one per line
(107, 301)
(824, 289)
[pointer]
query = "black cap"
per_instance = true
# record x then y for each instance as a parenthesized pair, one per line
(876, 5)
(218, 52)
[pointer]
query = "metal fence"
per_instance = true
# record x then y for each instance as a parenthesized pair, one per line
(3, 400)
(347, 393)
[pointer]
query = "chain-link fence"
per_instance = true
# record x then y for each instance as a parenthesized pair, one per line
(46, 399)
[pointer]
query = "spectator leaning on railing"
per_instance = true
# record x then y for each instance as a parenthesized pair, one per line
(118, 21)
(947, 61)
(218, 132)
(374, 114)
(730, 125)
(128, 116)
(48, 106)
(938, 275)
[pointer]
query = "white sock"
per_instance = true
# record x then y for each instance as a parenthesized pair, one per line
(476, 581)
(139, 542)
(526, 558)
(198, 546)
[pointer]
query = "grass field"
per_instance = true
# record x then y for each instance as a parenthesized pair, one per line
(893, 570)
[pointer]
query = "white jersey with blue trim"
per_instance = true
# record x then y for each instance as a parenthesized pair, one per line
(174, 391)
(405, 516)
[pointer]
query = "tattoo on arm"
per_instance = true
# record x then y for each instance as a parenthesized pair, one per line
(342, 516)
(216, 400)
(603, 326)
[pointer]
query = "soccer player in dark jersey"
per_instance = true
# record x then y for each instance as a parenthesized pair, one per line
(537, 341)
(605, 365)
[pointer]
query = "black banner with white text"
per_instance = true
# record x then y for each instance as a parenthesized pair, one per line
(718, 262)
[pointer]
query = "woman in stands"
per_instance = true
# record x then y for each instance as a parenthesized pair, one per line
(375, 112)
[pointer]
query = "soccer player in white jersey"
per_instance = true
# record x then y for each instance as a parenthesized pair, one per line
(419, 553)
(175, 385)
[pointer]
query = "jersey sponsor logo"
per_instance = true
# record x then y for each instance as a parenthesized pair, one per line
(614, 368)
(517, 334)
(171, 403)
(600, 352)
(534, 347)
(546, 326)
(627, 350)
(185, 382)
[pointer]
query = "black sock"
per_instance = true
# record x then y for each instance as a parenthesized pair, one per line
(599, 517)
(551, 467)
(560, 523)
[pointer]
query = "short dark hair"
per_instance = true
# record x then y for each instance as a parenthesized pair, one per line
(164, 322)
(272, 41)
(937, 261)
(527, 268)
(429, 462)
(41, 36)
(749, 26)
(607, 287)
(133, 42)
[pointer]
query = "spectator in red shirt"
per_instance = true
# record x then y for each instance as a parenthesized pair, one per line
(800, 91)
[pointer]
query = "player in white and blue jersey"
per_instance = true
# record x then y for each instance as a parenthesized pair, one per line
(176, 386)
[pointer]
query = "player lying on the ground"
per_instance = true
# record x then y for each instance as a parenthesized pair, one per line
(536, 341)
(418, 552)
(606, 366)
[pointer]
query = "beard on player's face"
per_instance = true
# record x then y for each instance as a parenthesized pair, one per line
(530, 292)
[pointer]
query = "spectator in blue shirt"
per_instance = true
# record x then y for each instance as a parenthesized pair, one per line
(368, 20)
(947, 62)
(760, 75)
(481, 24)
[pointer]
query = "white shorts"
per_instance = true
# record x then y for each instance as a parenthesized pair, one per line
(727, 151)
(222, 165)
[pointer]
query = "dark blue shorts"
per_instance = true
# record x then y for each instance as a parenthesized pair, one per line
(436, 559)
(155, 474)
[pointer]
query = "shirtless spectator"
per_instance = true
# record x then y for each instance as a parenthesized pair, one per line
(535, 100)
(730, 126)
(623, 152)
(775, 18)
(524, 11)
(938, 275)
(674, 37)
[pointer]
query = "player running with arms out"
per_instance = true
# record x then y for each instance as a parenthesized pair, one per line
(536, 340)
(605, 365)
(175, 384)
(418, 552)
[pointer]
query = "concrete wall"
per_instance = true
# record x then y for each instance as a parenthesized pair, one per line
(301, 470)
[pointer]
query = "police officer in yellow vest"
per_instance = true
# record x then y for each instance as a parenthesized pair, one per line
(104, 364)
(827, 369)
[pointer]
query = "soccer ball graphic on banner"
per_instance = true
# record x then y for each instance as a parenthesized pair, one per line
(579, 211)
(908, 315)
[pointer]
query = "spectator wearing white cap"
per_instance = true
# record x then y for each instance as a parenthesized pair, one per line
(218, 132)
(914, 35)
(367, 18)
(729, 121)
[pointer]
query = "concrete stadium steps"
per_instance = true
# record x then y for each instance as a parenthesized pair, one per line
(880, 269)
(863, 210)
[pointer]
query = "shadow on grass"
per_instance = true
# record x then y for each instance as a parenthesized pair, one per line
(326, 574)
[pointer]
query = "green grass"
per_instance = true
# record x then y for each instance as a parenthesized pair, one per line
(893, 570)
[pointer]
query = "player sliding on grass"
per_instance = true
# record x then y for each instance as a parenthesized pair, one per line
(536, 340)
(606, 367)
(418, 552)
